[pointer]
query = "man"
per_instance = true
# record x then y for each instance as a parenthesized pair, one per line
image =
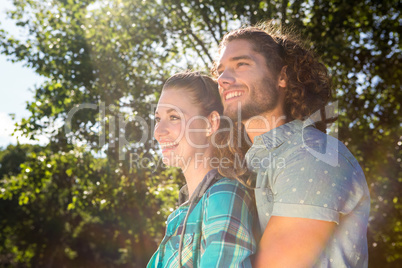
(311, 194)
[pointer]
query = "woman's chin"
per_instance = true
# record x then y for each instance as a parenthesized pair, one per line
(170, 161)
(166, 161)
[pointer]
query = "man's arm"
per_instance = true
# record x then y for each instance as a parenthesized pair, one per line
(292, 242)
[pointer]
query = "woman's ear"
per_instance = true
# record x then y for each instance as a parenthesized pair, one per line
(214, 121)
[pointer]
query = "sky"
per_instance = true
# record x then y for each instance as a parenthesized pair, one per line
(16, 85)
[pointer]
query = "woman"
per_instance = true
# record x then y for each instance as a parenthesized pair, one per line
(213, 226)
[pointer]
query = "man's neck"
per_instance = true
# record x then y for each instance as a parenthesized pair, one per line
(263, 123)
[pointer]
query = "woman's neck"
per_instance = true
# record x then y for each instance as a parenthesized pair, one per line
(195, 173)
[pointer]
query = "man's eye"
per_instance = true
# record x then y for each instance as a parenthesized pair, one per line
(173, 117)
(241, 64)
(157, 119)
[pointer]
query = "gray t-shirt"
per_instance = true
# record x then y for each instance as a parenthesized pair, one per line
(302, 172)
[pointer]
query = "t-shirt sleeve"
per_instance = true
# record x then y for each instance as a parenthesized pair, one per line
(227, 238)
(311, 188)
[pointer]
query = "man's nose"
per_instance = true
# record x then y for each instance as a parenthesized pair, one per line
(226, 79)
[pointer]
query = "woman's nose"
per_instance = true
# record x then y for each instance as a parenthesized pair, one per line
(160, 130)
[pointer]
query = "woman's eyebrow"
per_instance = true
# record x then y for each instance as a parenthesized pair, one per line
(172, 110)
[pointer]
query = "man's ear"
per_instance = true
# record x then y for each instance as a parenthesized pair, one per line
(283, 77)
(214, 121)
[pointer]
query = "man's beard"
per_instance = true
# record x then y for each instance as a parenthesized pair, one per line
(259, 101)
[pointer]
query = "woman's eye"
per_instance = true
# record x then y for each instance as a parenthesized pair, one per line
(173, 118)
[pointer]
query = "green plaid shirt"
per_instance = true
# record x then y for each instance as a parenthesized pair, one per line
(218, 231)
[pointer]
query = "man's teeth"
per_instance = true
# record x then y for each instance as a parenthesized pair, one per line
(168, 144)
(233, 94)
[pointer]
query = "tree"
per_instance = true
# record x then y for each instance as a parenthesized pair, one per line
(113, 56)
(84, 202)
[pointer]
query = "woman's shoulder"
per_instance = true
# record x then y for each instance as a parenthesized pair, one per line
(225, 182)
(227, 186)
(228, 197)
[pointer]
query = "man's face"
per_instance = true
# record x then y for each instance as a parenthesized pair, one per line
(245, 82)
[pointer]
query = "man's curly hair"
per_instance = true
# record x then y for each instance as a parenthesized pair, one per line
(308, 83)
(308, 86)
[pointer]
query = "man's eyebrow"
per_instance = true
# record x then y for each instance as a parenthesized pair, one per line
(242, 57)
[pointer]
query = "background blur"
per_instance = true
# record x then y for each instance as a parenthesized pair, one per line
(93, 194)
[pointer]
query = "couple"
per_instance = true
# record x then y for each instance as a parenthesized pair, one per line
(310, 212)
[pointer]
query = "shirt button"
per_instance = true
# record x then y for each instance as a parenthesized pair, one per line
(177, 245)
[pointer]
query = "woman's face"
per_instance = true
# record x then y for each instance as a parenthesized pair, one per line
(180, 129)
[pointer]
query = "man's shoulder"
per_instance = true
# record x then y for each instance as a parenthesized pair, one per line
(300, 146)
(318, 148)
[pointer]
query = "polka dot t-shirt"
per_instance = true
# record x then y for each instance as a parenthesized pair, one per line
(303, 172)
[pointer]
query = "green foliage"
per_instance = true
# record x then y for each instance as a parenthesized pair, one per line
(96, 196)
(13, 156)
(72, 209)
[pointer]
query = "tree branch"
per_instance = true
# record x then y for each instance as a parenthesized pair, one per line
(190, 31)
(208, 22)
(284, 7)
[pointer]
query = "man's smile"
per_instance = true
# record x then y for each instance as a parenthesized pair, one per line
(229, 95)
